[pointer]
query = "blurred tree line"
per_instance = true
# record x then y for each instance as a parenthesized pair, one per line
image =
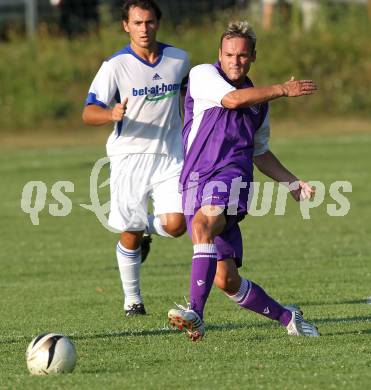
(44, 82)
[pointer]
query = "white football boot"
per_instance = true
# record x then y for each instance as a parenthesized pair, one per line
(293, 308)
(187, 319)
(298, 326)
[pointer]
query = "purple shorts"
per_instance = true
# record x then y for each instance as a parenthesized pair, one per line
(224, 189)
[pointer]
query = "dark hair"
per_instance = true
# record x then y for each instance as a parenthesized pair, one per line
(144, 4)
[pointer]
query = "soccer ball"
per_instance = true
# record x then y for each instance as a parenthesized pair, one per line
(50, 353)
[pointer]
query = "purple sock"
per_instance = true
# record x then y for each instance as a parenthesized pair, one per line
(251, 296)
(202, 276)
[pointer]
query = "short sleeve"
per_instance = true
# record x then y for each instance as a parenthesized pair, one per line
(103, 88)
(261, 137)
(207, 84)
(186, 67)
(185, 73)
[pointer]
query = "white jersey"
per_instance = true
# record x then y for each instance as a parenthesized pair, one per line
(152, 122)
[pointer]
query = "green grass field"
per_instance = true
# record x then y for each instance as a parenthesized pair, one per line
(60, 276)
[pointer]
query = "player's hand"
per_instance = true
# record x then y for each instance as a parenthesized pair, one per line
(119, 110)
(293, 88)
(305, 191)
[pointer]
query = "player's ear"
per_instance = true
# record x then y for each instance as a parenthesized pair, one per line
(253, 56)
(125, 26)
(220, 54)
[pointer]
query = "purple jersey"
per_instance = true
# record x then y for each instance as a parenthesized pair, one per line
(215, 137)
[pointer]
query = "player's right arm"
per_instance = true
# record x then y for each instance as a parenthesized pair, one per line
(245, 97)
(97, 116)
(208, 85)
(102, 93)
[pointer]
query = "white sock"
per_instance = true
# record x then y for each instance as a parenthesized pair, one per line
(129, 262)
(243, 291)
(155, 227)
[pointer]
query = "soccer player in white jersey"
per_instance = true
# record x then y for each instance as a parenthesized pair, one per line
(138, 89)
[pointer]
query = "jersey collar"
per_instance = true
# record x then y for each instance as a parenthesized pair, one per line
(160, 46)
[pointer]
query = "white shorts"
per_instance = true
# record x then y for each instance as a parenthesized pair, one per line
(137, 178)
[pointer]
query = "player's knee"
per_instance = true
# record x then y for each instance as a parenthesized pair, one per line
(201, 231)
(175, 226)
(178, 230)
(175, 231)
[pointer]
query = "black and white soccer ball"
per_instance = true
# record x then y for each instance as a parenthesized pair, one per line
(50, 353)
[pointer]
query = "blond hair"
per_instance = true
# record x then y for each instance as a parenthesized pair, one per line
(240, 29)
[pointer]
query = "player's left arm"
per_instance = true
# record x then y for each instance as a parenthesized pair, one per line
(272, 167)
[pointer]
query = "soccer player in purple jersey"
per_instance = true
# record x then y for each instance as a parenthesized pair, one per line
(226, 131)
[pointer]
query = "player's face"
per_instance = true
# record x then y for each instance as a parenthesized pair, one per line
(142, 26)
(236, 57)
